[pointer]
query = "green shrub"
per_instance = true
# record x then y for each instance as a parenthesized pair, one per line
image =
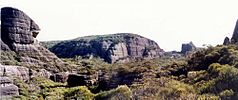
(120, 93)
(226, 94)
(208, 97)
(223, 77)
(23, 87)
(79, 93)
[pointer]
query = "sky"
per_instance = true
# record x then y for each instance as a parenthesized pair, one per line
(168, 22)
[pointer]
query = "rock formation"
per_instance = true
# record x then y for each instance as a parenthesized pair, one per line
(18, 34)
(22, 73)
(188, 47)
(113, 48)
(59, 77)
(234, 39)
(7, 87)
(226, 41)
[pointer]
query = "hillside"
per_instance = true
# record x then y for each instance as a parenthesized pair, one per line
(112, 48)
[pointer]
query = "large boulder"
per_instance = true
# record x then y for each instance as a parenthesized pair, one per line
(22, 73)
(59, 77)
(226, 41)
(112, 48)
(7, 87)
(18, 34)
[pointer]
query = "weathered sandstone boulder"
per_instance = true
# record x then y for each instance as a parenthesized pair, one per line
(7, 87)
(22, 73)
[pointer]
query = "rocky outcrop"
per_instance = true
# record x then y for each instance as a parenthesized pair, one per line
(187, 47)
(113, 48)
(234, 39)
(226, 41)
(8, 73)
(7, 87)
(18, 34)
(22, 73)
(59, 77)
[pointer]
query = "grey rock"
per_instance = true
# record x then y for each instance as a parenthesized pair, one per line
(187, 47)
(234, 39)
(17, 27)
(22, 73)
(9, 89)
(5, 80)
(59, 77)
(226, 41)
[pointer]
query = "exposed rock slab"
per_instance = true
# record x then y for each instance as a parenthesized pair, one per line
(22, 73)
(7, 87)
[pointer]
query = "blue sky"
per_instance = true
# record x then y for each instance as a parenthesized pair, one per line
(168, 22)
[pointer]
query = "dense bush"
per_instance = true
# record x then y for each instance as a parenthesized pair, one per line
(120, 93)
(210, 73)
(9, 58)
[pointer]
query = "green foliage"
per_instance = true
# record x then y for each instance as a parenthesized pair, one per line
(163, 89)
(23, 87)
(219, 54)
(210, 73)
(46, 83)
(9, 58)
(208, 97)
(226, 94)
(224, 77)
(120, 93)
(79, 93)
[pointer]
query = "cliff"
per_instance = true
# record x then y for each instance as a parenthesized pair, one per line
(112, 48)
(18, 37)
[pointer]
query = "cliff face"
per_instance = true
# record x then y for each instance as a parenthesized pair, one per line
(18, 33)
(112, 48)
(234, 39)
